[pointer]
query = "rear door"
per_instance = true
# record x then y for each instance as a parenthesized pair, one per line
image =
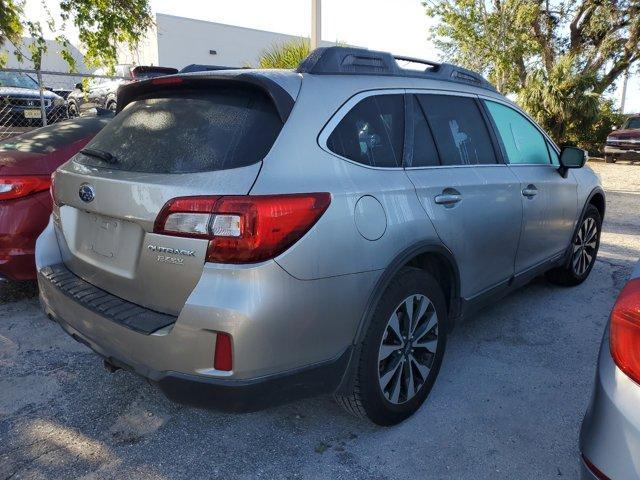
(471, 198)
(549, 200)
(169, 143)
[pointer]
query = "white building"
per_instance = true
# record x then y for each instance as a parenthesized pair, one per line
(178, 42)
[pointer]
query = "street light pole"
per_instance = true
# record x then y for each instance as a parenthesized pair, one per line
(316, 24)
(624, 90)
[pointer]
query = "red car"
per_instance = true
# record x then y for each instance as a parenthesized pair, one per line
(624, 143)
(26, 164)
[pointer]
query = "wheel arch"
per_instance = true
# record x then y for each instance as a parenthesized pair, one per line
(596, 198)
(434, 258)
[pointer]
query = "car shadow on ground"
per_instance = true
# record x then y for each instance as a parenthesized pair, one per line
(15, 291)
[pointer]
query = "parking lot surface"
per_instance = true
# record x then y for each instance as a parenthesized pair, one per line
(508, 403)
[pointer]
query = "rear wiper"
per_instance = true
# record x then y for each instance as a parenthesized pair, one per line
(101, 154)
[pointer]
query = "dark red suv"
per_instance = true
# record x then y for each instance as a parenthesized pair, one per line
(624, 143)
(26, 164)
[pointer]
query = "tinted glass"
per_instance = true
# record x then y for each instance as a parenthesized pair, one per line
(54, 137)
(188, 132)
(555, 158)
(459, 130)
(372, 132)
(425, 153)
(523, 143)
(633, 123)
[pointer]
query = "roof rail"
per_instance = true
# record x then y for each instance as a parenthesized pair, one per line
(361, 61)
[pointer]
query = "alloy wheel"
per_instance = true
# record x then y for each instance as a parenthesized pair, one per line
(408, 349)
(584, 246)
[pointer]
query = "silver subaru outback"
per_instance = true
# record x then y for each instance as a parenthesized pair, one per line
(247, 237)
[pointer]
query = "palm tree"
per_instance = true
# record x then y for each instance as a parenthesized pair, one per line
(285, 55)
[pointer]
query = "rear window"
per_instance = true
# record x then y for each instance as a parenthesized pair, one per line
(188, 132)
(56, 136)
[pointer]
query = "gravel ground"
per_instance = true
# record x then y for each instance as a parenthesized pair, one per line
(515, 382)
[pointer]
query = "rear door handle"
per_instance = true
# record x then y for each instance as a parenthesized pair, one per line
(448, 198)
(530, 191)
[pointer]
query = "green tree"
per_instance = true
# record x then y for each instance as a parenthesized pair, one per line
(559, 57)
(10, 26)
(284, 55)
(102, 26)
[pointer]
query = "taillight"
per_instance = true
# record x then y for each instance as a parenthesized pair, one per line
(624, 335)
(223, 359)
(243, 229)
(593, 469)
(20, 186)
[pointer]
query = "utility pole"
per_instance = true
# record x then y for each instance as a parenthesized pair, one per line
(624, 90)
(316, 23)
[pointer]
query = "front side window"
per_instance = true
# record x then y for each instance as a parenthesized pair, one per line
(523, 142)
(372, 133)
(459, 130)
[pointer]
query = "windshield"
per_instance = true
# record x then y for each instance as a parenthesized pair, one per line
(17, 79)
(633, 123)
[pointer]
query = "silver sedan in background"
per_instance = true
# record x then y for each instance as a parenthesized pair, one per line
(610, 436)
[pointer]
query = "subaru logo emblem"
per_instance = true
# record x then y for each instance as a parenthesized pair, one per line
(86, 193)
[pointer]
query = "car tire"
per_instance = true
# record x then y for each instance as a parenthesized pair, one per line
(409, 365)
(609, 159)
(584, 247)
(72, 109)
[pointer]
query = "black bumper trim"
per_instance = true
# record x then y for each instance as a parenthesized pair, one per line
(122, 312)
(255, 394)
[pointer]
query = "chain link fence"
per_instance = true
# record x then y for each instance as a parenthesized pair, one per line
(31, 99)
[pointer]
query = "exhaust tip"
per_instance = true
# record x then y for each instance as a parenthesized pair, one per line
(110, 367)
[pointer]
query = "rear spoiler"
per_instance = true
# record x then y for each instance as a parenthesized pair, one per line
(279, 96)
(149, 69)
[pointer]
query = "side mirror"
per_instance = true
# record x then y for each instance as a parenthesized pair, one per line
(572, 157)
(615, 127)
(79, 86)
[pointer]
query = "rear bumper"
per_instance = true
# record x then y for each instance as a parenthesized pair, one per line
(290, 338)
(227, 394)
(21, 221)
(610, 434)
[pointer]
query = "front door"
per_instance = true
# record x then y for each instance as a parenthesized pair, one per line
(549, 200)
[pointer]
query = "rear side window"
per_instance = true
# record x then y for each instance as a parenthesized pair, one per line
(188, 132)
(424, 153)
(372, 133)
(523, 142)
(459, 130)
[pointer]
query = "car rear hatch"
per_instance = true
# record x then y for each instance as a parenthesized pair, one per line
(189, 136)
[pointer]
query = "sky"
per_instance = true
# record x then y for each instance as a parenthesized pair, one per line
(399, 26)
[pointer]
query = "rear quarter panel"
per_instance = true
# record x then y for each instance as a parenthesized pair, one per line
(334, 246)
